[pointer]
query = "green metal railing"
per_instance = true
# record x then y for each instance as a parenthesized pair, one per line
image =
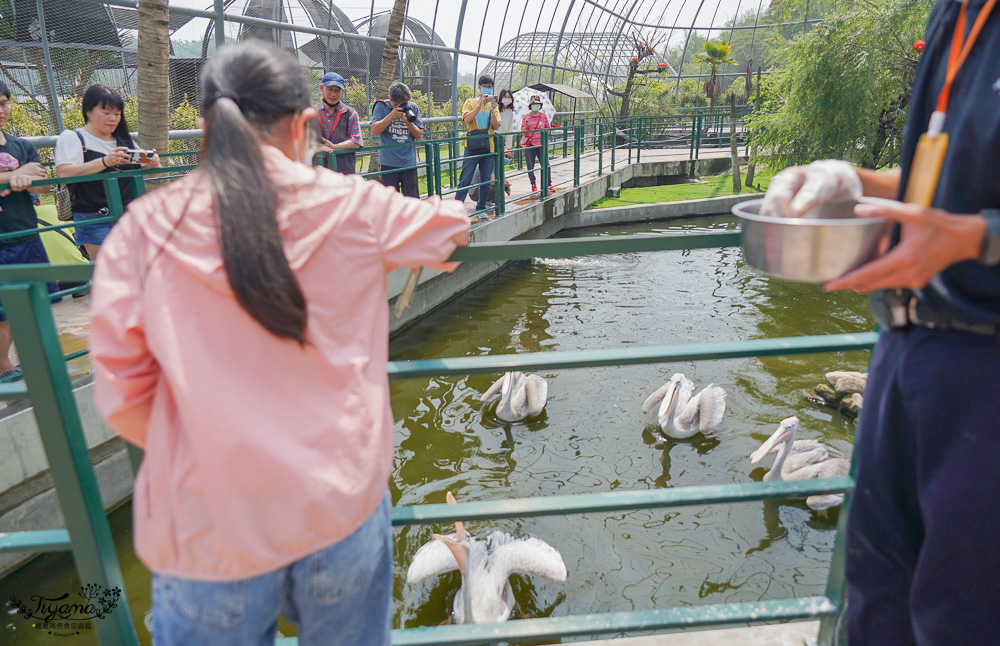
(88, 536)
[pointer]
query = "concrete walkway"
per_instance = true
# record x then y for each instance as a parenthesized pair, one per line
(562, 170)
(795, 634)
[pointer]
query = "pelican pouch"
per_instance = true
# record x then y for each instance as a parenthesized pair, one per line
(477, 142)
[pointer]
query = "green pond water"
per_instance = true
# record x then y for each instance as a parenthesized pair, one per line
(593, 437)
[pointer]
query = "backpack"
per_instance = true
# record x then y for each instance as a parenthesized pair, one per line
(63, 195)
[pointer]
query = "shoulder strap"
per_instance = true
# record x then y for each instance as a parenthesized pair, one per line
(82, 142)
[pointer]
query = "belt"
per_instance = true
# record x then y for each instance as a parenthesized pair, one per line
(898, 309)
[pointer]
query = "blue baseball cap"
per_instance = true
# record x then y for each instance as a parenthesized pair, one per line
(332, 78)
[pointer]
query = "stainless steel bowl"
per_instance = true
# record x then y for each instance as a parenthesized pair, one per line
(824, 244)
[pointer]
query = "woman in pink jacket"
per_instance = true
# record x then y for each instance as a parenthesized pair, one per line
(240, 336)
(532, 141)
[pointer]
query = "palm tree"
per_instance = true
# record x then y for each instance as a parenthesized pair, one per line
(390, 53)
(390, 57)
(153, 73)
(716, 55)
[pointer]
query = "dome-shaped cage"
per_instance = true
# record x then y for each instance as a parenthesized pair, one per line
(426, 70)
(601, 48)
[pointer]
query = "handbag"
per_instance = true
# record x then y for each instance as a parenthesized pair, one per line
(476, 143)
(62, 194)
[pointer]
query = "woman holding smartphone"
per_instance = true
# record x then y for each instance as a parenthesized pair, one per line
(101, 146)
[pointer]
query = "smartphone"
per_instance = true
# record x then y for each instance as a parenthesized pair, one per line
(138, 155)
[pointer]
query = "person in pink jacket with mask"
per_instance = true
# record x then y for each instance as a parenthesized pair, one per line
(240, 336)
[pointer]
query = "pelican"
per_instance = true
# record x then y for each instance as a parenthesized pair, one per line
(690, 415)
(801, 460)
(486, 565)
(520, 396)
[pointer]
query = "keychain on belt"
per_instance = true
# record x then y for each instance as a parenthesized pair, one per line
(925, 170)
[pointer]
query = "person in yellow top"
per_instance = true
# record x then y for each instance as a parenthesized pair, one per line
(481, 116)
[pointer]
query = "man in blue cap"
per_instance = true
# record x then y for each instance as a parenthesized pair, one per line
(339, 122)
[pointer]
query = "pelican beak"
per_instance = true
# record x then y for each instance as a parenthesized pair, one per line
(508, 377)
(459, 526)
(785, 431)
(459, 549)
(669, 402)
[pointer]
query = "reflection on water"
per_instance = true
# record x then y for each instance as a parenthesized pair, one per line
(594, 438)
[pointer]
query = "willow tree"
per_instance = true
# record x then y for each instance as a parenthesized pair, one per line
(716, 55)
(153, 74)
(845, 87)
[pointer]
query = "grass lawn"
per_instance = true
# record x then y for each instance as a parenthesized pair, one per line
(711, 186)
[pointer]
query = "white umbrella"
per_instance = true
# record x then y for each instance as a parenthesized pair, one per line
(521, 105)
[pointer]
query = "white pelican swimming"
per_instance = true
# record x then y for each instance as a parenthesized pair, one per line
(520, 396)
(690, 415)
(801, 460)
(486, 566)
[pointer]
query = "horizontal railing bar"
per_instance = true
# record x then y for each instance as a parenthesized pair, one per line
(47, 540)
(582, 503)
(614, 622)
(17, 390)
(77, 273)
(567, 247)
(460, 366)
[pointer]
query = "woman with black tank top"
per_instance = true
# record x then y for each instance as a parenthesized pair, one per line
(98, 147)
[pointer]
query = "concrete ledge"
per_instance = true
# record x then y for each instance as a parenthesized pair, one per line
(653, 212)
(796, 634)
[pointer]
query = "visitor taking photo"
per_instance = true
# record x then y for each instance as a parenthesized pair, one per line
(101, 146)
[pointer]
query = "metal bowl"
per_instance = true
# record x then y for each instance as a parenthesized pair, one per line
(826, 243)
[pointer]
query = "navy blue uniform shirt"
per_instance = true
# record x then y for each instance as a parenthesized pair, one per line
(970, 179)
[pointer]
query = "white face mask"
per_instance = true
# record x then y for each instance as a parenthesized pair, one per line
(506, 101)
(535, 107)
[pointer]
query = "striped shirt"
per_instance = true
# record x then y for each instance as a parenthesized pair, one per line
(341, 123)
(533, 122)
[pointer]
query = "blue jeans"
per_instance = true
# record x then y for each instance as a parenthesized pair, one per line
(924, 517)
(92, 233)
(485, 165)
(337, 596)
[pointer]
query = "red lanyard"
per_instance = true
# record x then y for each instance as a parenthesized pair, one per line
(960, 48)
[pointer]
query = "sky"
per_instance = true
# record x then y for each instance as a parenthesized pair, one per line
(489, 24)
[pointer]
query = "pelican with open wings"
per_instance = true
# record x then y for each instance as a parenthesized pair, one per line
(486, 566)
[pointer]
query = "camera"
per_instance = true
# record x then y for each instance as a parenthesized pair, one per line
(138, 155)
(410, 111)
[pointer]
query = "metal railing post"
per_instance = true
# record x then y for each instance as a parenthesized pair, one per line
(114, 197)
(501, 202)
(546, 170)
(638, 142)
(600, 149)
(429, 163)
(439, 182)
(49, 72)
(578, 133)
(61, 431)
(614, 143)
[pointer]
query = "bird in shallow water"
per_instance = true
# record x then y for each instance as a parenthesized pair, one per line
(486, 565)
(801, 460)
(680, 415)
(520, 396)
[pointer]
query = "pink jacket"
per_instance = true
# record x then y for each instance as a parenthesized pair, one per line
(258, 451)
(533, 122)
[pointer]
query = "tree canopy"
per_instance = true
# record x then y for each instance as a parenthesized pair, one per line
(844, 87)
